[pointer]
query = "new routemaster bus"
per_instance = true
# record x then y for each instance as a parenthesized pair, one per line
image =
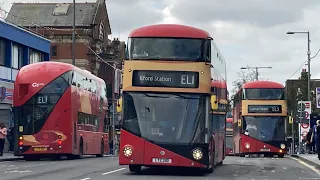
(259, 114)
(59, 110)
(166, 97)
(229, 136)
(219, 88)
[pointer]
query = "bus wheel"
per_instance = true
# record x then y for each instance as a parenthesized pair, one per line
(101, 150)
(135, 168)
(80, 150)
(280, 155)
(210, 170)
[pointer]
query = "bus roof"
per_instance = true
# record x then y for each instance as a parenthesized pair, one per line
(229, 120)
(262, 84)
(169, 30)
(219, 84)
(65, 66)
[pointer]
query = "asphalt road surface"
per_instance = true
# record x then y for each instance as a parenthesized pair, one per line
(234, 168)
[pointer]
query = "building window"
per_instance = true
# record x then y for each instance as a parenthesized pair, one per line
(17, 56)
(101, 31)
(35, 57)
(54, 51)
(2, 52)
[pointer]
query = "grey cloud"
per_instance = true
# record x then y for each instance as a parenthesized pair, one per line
(128, 16)
(264, 13)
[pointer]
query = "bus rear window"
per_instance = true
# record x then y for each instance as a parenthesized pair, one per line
(266, 94)
(33, 114)
(165, 49)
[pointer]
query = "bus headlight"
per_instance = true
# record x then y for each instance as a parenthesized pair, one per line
(282, 146)
(127, 151)
(247, 145)
(197, 154)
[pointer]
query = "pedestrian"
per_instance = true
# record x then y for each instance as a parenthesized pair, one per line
(314, 137)
(309, 136)
(316, 133)
(3, 134)
(10, 137)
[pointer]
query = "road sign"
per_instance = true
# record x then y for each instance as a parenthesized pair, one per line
(307, 105)
(306, 114)
(305, 126)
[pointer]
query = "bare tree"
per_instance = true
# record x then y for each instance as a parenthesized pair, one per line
(244, 76)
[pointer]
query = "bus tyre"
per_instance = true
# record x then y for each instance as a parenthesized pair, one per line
(135, 168)
(101, 150)
(80, 150)
(281, 155)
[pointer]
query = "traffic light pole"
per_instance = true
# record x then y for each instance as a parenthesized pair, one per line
(292, 134)
(300, 120)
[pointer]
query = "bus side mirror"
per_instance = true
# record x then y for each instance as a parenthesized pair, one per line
(214, 102)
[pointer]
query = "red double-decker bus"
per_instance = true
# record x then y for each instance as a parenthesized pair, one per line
(167, 112)
(219, 90)
(259, 116)
(59, 110)
(229, 136)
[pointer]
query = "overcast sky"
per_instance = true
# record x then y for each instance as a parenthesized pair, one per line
(247, 32)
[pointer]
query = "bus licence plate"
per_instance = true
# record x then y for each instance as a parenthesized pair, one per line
(160, 160)
(40, 149)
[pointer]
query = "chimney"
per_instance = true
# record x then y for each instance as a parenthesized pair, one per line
(304, 70)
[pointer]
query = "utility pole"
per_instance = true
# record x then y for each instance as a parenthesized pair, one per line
(256, 68)
(74, 34)
(292, 133)
(309, 59)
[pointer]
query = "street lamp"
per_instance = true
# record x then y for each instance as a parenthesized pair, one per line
(309, 59)
(257, 73)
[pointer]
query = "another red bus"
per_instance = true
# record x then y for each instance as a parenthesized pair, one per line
(167, 119)
(219, 88)
(259, 116)
(229, 136)
(59, 110)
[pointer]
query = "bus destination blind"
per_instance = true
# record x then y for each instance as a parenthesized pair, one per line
(264, 109)
(170, 79)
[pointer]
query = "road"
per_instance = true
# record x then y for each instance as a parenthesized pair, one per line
(234, 168)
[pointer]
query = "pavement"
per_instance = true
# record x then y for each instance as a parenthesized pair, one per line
(311, 159)
(92, 168)
(9, 157)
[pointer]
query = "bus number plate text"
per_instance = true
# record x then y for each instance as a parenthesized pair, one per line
(160, 160)
(40, 149)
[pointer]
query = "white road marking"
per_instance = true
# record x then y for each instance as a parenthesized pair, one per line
(307, 165)
(16, 171)
(113, 171)
(19, 167)
(85, 178)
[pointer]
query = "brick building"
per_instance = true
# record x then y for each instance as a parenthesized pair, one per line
(92, 24)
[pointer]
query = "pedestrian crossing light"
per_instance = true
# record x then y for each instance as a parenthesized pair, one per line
(302, 114)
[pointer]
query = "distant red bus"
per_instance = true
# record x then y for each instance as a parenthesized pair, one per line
(259, 116)
(167, 112)
(59, 110)
(229, 136)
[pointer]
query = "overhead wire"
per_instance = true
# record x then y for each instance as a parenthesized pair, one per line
(302, 65)
(57, 29)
